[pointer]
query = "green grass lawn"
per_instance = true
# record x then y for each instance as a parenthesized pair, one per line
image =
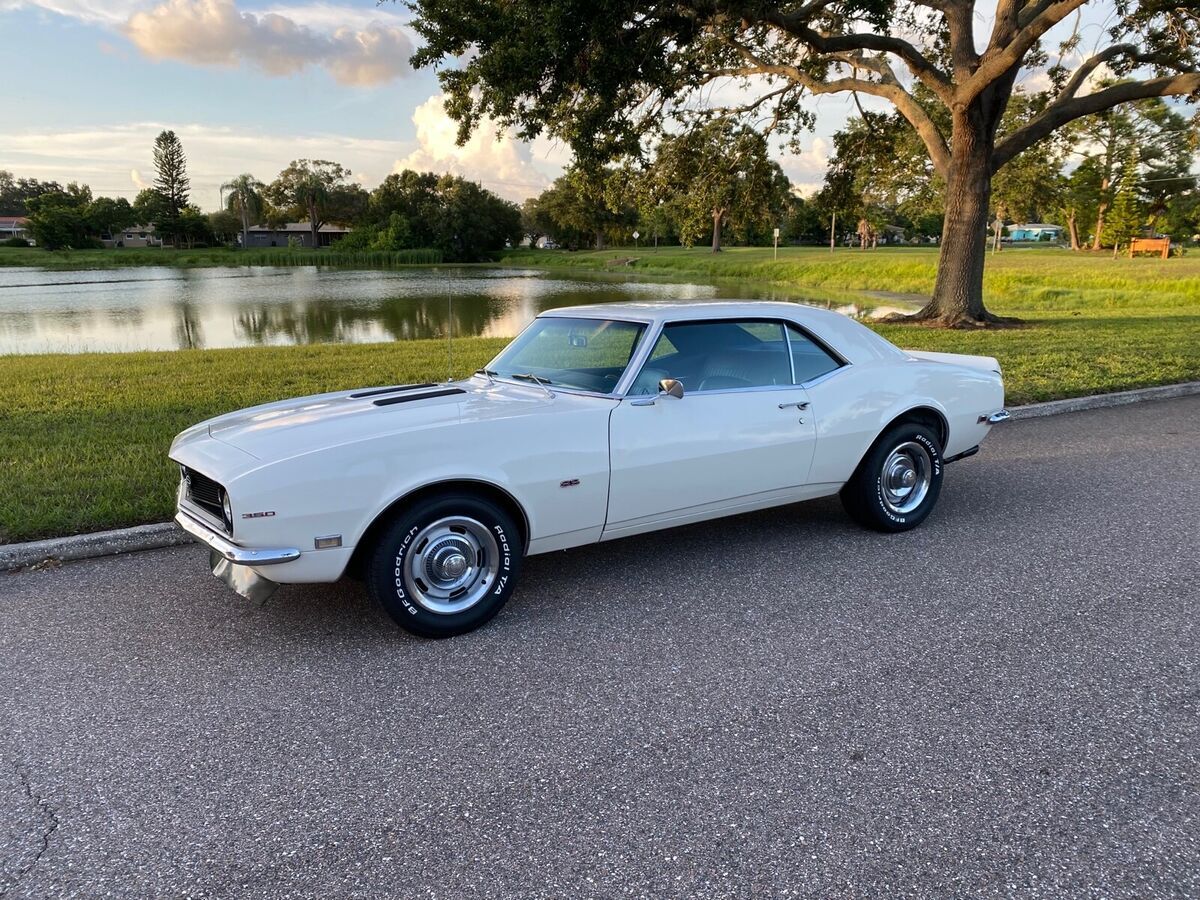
(83, 438)
(1016, 281)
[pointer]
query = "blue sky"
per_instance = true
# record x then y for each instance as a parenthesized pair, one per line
(250, 85)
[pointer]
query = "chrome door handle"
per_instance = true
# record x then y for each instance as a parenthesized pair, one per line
(799, 404)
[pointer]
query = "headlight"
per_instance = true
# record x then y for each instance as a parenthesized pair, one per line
(227, 508)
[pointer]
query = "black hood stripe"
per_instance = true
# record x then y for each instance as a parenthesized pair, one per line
(374, 392)
(427, 395)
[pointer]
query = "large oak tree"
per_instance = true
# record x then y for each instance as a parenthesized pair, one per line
(605, 76)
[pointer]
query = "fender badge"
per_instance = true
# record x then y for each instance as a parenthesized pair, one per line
(259, 515)
(571, 482)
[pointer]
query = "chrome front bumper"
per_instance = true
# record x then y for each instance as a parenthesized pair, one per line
(232, 564)
(228, 550)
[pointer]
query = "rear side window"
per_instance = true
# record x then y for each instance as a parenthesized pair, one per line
(809, 359)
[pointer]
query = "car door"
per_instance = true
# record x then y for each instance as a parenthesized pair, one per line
(741, 436)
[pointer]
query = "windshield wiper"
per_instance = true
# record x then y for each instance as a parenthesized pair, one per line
(529, 376)
(487, 373)
(540, 382)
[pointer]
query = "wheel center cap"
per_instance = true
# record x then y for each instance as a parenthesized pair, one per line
(454, 565)
(909, 478)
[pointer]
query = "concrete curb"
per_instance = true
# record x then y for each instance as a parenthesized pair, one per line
(1103, 401)
(87, 546)
(168, 534)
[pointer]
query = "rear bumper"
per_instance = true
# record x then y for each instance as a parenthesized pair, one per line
(227, 550)
(996, 418)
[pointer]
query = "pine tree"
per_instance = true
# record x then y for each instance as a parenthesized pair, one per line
(1126, 218)
(170, 180)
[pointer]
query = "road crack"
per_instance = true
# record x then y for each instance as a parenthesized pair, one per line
(48, 813)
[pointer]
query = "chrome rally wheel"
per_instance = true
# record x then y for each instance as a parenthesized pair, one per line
(452, 564)
(897, 483)
(447, 564)
(905, 478)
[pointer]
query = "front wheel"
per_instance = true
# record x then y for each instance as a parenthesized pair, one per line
(897, 483)
(446, 565)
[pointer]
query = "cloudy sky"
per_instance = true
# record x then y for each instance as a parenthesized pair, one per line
(250, 85)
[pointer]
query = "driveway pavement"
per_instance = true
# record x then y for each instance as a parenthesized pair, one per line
(1005, 702)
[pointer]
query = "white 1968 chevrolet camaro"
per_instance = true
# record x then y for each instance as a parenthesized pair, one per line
(597, 422)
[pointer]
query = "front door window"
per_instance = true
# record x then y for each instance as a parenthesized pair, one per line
(718, 356)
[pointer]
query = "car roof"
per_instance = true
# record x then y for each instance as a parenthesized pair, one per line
(852, 340)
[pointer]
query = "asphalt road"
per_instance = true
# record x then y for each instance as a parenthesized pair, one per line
(1005, 702)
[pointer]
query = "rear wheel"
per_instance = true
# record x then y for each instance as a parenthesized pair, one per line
(897, 483)
(446, 565)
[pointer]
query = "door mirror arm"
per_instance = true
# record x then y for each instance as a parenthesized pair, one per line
(668, 387)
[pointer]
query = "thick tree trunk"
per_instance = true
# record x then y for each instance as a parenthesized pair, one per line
(958, 290)
(717, 216)
(599, 240)
(245, 228)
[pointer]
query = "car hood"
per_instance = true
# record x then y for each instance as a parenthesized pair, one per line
(292, 427)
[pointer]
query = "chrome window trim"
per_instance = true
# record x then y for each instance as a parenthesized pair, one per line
(756, 389)
(787, 340)
(650, 336)
(821, 379)
(662, 326)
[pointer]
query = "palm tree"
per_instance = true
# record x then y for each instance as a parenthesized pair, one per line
(245, 199)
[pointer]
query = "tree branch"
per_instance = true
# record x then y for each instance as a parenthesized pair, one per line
(959, 20)
(1068, 109)
(888, 87)
(1003, 55)
(797, 25)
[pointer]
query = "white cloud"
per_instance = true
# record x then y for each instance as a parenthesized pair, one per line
(215, 32)
(357, 45)
(808, 167)
(502, 164)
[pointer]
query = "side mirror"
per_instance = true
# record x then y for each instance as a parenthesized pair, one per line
(669, 387)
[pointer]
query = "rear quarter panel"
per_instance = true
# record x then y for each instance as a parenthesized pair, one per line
(852, 406)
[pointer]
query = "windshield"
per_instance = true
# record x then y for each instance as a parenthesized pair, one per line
(587, 354)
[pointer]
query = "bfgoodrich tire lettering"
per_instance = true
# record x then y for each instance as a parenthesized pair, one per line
(446, 565)
(896, 485)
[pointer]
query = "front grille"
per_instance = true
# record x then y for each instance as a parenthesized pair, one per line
(204, 492)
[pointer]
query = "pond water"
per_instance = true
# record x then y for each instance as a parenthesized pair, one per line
(163, 308)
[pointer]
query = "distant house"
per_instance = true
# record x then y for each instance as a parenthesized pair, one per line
(264, 236)
(133, 236)
(13, 227)
(1035, 232)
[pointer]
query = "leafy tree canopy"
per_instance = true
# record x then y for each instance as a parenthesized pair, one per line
(609, 78)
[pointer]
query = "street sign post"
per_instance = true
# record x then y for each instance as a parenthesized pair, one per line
(777, 243)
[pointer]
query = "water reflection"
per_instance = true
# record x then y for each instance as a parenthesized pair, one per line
(163, 308)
